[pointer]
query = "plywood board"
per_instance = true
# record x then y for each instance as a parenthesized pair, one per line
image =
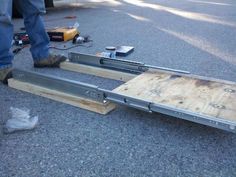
(102, 108)
(199, 95)
(101, 72)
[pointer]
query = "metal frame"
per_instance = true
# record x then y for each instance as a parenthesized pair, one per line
(134, 67)
(102, 95)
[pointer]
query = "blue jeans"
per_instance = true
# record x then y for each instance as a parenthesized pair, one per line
(39, 40)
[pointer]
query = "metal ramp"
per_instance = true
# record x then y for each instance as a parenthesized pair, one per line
(176, 93)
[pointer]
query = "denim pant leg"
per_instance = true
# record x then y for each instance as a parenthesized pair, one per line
(34, 25)
(6, 34)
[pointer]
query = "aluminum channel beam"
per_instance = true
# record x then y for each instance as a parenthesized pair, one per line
(93, 92)
(127, 66)
(60, 84)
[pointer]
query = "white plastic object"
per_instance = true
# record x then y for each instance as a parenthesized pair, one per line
(20, 120)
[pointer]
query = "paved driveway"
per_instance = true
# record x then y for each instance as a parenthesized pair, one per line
(194, 35)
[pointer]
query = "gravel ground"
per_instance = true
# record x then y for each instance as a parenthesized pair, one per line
(193, 35)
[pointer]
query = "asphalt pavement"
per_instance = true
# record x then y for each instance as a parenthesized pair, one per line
(194, 35)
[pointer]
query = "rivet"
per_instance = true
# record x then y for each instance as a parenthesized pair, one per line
(229, 90)
(218, 106)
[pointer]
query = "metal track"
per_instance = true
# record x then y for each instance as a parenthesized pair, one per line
(60, 84)
(93, 92)
(171, 111)
(127, 66)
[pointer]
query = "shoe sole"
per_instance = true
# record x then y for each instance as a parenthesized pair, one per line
(54, 65)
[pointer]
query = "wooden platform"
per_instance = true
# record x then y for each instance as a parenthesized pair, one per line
(199, 99)
(91, 105)
(200, 95)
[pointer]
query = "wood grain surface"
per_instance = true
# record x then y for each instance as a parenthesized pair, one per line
(203, 96)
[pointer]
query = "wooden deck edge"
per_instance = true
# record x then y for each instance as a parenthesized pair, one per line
(91, 105)
(101, 72)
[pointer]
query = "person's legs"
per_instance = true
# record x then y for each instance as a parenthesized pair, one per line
(39, 40)
(31, 11)
(6, 34)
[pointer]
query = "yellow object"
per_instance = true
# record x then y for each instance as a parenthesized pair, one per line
(62, 34)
